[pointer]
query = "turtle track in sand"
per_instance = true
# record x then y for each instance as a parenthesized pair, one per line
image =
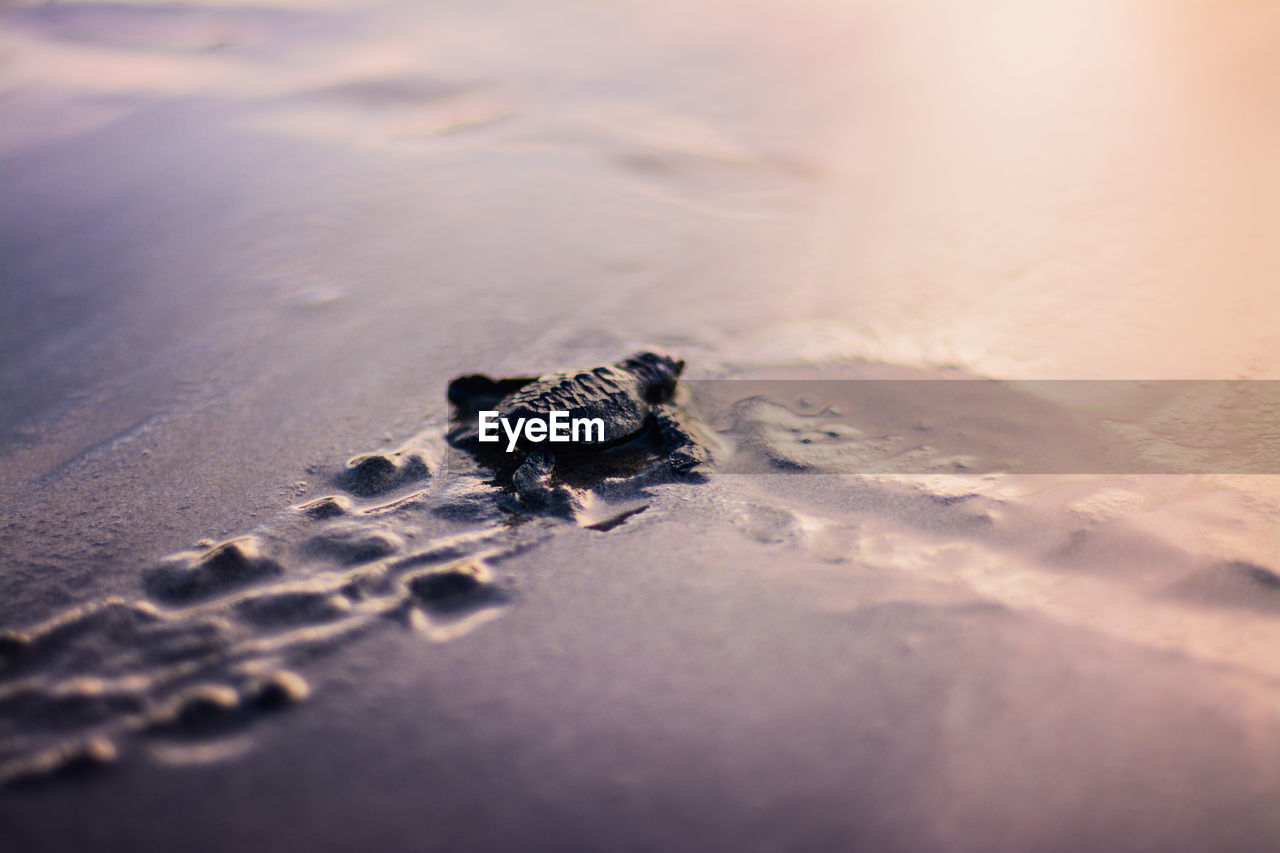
(212, 644)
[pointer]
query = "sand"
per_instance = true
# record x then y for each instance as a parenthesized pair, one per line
(251, 598)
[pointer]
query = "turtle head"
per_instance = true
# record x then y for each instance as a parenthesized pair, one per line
(659, 370)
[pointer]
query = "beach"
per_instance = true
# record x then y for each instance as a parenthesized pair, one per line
(976, 304)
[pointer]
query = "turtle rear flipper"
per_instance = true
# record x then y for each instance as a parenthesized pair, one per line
(478, 392)
(473, 394)
(464, 434)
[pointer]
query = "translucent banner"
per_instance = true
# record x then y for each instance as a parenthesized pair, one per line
(926, 426)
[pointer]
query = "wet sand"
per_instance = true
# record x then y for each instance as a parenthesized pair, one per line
(243, 245)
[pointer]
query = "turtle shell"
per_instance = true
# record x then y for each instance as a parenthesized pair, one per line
(612, 393)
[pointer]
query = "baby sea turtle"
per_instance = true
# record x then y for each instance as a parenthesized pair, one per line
(632, 398)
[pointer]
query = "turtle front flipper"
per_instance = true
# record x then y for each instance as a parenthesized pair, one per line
(535, 488)
(683, 450)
